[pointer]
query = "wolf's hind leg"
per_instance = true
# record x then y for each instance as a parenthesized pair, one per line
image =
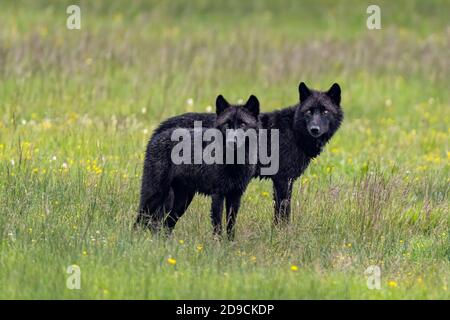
(181, 201)
(151, 211)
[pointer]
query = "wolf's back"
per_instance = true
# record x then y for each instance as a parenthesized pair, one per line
(186, 121)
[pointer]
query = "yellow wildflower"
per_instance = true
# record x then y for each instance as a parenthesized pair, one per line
(392, 283)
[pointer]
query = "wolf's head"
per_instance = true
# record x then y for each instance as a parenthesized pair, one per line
(234, 119)
(319, 113)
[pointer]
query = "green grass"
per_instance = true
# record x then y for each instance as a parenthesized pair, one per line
(77, 108)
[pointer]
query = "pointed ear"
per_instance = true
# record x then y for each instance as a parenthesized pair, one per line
(304, 91)
(335, 93)
(252, 105)
(221, 104)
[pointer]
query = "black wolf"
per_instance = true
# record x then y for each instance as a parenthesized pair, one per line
(304, 129)
(168, 188)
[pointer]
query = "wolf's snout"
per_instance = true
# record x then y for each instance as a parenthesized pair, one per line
(230, 141)
(315, 131)
(234, 140)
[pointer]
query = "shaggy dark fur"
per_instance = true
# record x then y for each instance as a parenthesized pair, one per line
(304, 129)
(168, 188)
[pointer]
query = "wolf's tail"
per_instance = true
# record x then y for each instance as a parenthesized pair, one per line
(156, 194)
(153, 208)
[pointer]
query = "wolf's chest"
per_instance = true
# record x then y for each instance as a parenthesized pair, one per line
(293, 161)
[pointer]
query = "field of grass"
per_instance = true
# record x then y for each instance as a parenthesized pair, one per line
(78, 106)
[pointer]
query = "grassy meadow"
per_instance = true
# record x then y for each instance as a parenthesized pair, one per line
(78, 106)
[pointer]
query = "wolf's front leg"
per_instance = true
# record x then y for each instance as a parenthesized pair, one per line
(282, 192)
(233, 202)
(216, 213)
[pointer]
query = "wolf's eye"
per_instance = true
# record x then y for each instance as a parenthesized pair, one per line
(325, 111)
(308, 113)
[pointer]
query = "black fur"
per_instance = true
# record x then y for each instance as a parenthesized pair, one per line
(304, 130)
(168, 188)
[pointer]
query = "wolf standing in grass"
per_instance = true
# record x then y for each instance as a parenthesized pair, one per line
(168, 187)
(304, 129)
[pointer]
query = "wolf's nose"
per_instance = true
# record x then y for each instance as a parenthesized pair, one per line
(315, 130)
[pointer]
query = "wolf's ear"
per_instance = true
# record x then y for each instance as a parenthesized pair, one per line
(252, 105)
(221, 104)
(335, 93)
(304, 91)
